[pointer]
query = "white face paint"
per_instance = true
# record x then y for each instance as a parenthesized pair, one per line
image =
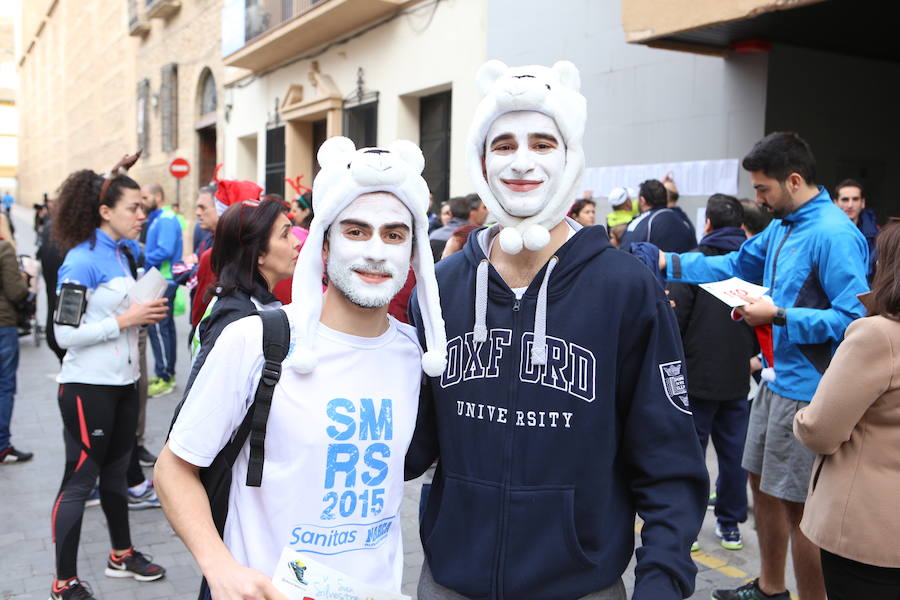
(524, 160)
(369, 249)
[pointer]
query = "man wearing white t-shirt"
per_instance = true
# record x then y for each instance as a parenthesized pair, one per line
(342, 416)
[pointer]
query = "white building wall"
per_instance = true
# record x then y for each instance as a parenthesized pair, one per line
(436, 47)
(644, 105)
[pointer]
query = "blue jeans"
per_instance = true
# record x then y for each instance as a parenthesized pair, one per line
(9, 364)
(726, 421)
(162, 339)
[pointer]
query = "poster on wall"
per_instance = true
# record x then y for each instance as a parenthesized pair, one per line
(693, 178)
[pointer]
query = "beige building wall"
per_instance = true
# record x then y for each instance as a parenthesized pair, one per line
(191, 39)
(414, 55)
(9, 83)
(79, 68)
(76, 74)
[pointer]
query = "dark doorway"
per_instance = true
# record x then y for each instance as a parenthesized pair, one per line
(275, 161)
(319, 134)
(206, 155)
(361, 124)
(434, 139)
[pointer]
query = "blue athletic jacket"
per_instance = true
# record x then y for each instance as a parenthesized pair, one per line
(164, 244)
(542, 467)
(814, 263)
(98, 351)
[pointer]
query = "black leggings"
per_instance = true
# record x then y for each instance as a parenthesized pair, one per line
(98, 430)
(847, 579)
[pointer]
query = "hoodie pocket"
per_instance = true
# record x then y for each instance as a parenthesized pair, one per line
(462, 542)
(542, 547)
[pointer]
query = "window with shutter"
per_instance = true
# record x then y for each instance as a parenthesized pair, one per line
(143, 116)
(168, 99)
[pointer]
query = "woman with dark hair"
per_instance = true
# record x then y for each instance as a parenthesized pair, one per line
(853, 422)
(97, 323)
(584, 211)
(255, 249)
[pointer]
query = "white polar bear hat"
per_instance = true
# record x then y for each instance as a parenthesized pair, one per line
(346, 174)
(554, 92)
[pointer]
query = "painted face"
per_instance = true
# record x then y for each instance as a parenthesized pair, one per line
(524, 161)
(206, 214)
(126, 216)
(851, 201)
(279, 261)
(369, 249)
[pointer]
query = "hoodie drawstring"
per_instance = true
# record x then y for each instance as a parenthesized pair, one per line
(481, 285)
(539, 346)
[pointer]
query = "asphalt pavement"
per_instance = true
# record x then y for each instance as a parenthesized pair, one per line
(28, 490)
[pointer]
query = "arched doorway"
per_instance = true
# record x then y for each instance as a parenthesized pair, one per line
(208, 105)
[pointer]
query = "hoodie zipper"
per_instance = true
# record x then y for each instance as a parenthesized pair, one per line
(507, 457)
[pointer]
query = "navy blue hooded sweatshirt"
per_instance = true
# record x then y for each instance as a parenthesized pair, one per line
(542, 467)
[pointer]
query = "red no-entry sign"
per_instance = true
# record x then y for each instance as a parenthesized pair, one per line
(179, 168)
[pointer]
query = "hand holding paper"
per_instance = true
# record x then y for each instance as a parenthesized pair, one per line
(735, 291)
(756, 311)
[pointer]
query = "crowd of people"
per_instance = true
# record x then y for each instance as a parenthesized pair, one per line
(409, 338)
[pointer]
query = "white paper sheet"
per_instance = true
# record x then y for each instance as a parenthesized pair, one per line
(150, 287)
(726, 290)
(299, 577)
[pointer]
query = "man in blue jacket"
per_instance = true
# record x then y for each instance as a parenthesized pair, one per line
(665, 227)
(163, 248)
(563, 410)
(813, 260)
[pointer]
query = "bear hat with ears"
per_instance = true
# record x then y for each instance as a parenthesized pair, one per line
(346, 174)
(554, 92)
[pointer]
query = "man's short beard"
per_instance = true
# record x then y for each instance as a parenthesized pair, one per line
(364, 295)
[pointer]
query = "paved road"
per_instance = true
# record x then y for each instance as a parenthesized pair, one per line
(27, 492)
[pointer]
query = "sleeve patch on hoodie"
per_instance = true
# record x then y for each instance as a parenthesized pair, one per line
(675, 385)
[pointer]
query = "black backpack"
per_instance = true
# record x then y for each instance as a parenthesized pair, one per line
(216, 478)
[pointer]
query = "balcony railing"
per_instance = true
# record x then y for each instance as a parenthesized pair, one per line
(263, 15)
(137, 24)
(257, 34)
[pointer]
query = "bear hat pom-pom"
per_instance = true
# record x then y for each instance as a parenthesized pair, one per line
(434, 362)
(304, 360)
(536, 237)
(510, 240)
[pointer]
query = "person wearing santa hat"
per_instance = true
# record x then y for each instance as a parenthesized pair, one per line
(344, 409)
(562, 412)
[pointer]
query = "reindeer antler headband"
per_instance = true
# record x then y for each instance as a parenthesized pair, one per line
(299, 188)
(121, 168)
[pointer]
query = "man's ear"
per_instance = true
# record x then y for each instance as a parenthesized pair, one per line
(325, 248)
(707, 227)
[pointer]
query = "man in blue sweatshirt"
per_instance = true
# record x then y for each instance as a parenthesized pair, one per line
(563, 410)
(162, 249)
(813, 260)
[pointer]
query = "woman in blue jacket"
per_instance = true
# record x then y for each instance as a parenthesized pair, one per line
(97, 322)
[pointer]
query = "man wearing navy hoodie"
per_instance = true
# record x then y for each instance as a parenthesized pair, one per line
(717, 352)
(563, 410)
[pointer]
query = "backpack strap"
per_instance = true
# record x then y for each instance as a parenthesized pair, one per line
(276, 341)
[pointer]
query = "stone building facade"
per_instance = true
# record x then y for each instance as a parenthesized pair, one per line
(100, 78)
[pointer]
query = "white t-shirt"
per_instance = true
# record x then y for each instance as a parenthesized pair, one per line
(335, 446)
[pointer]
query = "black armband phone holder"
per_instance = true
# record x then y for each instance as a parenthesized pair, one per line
(70, 305)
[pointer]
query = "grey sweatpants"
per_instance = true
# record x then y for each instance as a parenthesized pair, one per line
(431, 590)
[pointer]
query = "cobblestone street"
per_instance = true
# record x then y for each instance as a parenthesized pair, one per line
(28, 490)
